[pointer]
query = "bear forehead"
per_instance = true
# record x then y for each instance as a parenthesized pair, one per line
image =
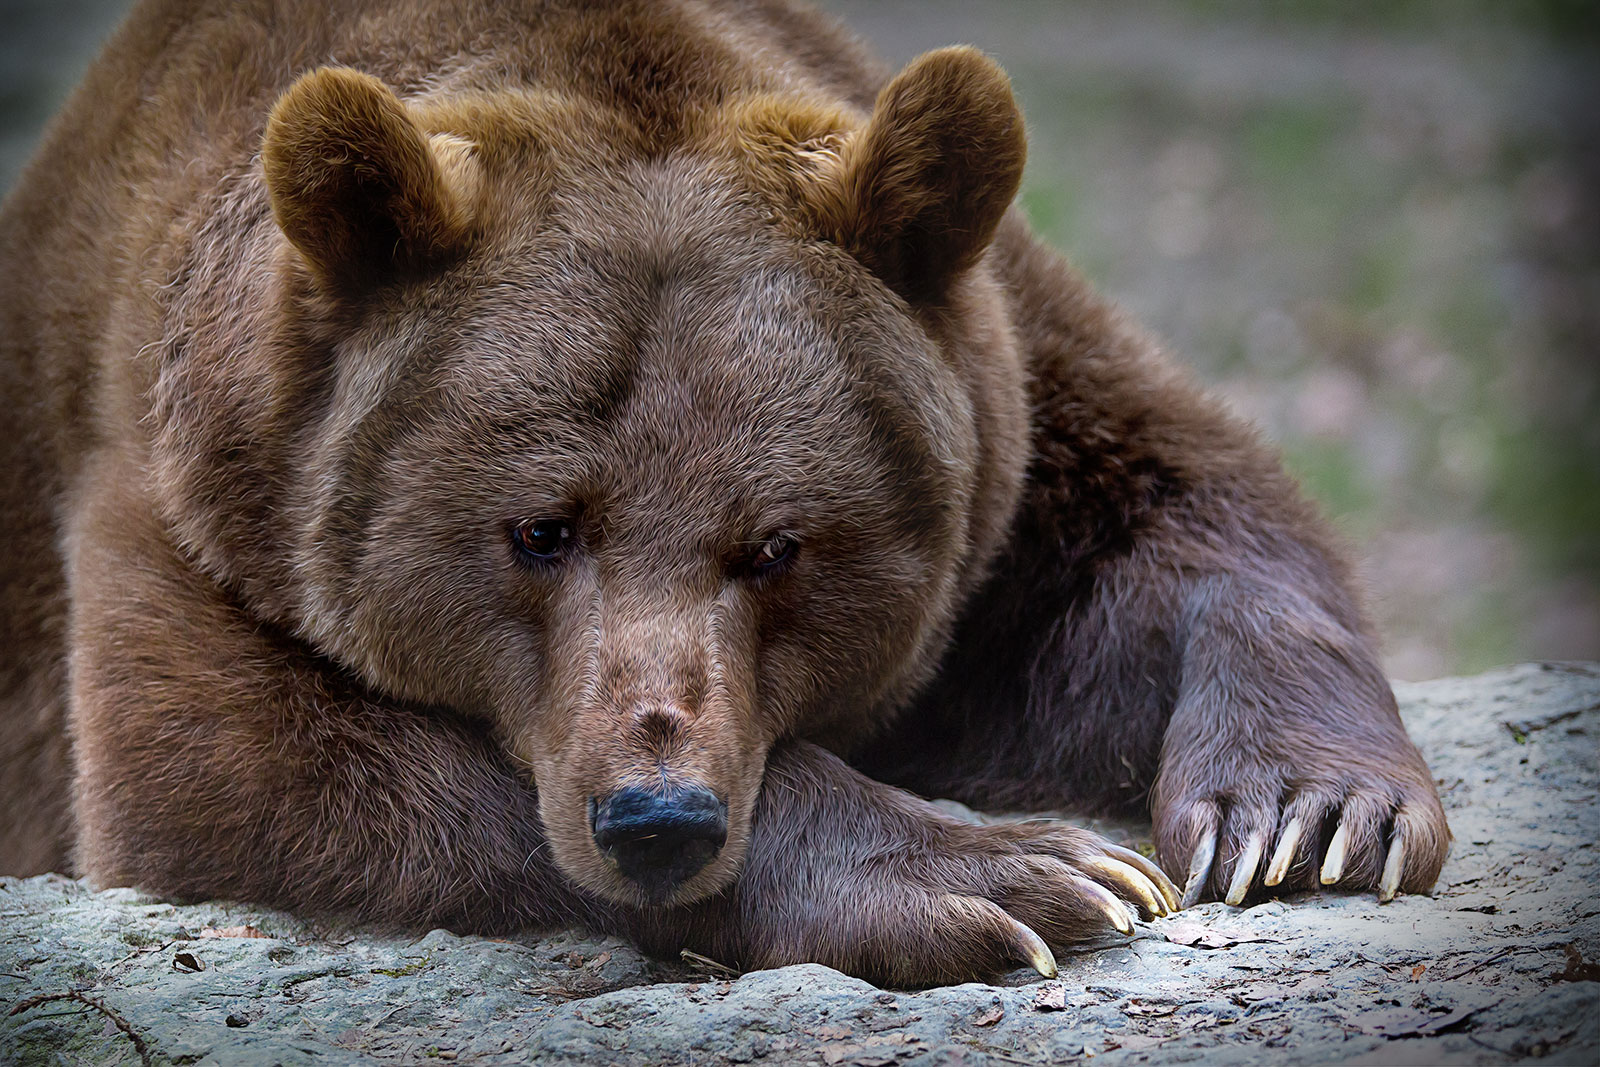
(654, 344)
(688, 310)
(700, 379)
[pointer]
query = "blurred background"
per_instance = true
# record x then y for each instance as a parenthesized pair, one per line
(1373, 228)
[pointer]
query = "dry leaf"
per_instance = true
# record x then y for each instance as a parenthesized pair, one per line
(1400, 1022)
(1196, 936)
(1578, 969)
(1416, 972)
(232, 931)
(990, 1015)
(1051, 998)
(831, 1033)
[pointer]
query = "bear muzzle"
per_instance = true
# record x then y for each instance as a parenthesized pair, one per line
(658, 839)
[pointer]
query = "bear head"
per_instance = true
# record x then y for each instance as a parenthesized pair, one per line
(649, 455)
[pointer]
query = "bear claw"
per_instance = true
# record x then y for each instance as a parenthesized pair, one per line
(1244, 872)
(1199, 869)
(1037, 953)
(1132, 879)
(1336, 865)
(1389, 885)
(1333, 863)
(1278, 868)
(1157, 877)
(1113, 908)
(1020, 940)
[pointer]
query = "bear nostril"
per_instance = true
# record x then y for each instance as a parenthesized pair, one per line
(659, 839)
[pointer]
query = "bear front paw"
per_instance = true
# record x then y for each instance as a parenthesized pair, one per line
(1372, 823)
(871, 880)
(1056, 884)
(962, 903)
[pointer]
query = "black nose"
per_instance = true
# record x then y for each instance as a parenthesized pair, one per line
(658, 839)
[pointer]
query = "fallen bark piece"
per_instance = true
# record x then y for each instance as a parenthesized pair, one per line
(1194, 935)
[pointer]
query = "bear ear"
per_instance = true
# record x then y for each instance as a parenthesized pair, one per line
(357, 186)
(918, 192)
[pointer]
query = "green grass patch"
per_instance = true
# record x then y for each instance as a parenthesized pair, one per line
(1332, 476)
(403, 972)
(1547, 488)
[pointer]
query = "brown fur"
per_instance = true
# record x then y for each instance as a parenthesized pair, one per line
(356, 185)
(311, 304)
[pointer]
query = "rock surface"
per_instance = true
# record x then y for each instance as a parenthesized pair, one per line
(1500, 964)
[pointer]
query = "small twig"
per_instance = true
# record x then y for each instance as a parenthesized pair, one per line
(116, 1019)
(694, 959)
(990, 1053)
(388, 1015)
(1492, 1048)
(1502, 954)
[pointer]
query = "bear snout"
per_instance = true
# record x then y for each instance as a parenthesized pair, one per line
(659, 839)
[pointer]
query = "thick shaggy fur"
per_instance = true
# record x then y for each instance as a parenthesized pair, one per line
(310, 305)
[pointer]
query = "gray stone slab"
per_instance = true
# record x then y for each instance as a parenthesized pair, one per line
(1498, 965)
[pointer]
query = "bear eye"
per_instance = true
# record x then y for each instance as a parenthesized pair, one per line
(776, 553)
(541, 539)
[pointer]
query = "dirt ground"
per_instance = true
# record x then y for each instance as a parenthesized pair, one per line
(1500, 964)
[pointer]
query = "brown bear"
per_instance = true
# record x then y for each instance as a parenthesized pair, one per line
(502, 464)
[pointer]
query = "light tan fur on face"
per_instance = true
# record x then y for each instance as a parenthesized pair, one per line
(663, 698)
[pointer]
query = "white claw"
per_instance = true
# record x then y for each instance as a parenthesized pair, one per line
(1389, 885)
(1245, 871)
(1158, 877)
(1131, 878)
(1023, 939)
(1278, 869)
(1114, 909)
(1333, 864)
(1039, 955)
(1199, 870)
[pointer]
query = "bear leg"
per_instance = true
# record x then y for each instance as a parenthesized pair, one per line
(217, 757)
(860, 876)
